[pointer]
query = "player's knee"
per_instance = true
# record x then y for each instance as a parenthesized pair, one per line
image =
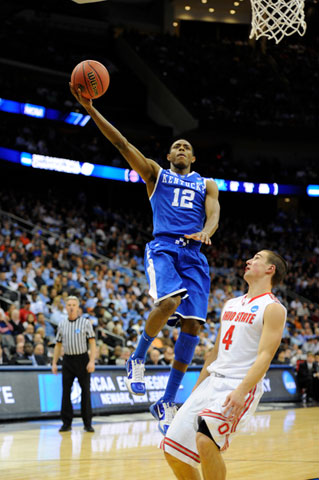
(169, 305)
(170, 459)
(190, 326)
(204, 444)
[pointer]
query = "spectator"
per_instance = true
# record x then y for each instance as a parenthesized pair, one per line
(166, 339)
(115, 358)
(15, 323)
(20, 357)
(3, 280)
(198, 358)
(4, 359)
(154, 357)
(6, 331)
(25, 311)
(29, 352)
(102, 357)
(281, 358)
(13, 284)
(310, 345)
(297, 356)
(38, 278)
(305, 377)
(168, 356)
(132, 340)
(39, 354)
(28, 333)
(42, 322)
(31, 320)
(36, 305)
(126, 352)
(58, 311)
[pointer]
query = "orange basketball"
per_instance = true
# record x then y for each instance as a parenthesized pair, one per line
(91, 77)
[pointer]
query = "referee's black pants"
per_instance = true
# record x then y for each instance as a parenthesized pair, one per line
(75, 366)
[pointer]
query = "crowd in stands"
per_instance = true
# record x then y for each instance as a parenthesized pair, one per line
(88, 145)
(98, 256)
(71, 247)
(231, 82)
(223, 84)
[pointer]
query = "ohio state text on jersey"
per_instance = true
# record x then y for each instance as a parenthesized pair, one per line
(241, 328)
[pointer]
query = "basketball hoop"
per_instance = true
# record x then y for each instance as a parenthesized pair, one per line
(276, 19)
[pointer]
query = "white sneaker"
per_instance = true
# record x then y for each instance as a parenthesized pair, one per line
(135, 376)
(164, 412)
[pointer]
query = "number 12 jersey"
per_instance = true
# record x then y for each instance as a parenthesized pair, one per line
(178, 203)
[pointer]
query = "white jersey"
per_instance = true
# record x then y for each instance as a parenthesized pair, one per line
(241, 328)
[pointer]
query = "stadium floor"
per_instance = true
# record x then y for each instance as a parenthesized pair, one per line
(280, 443)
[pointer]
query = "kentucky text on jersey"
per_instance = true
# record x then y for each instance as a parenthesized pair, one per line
(178, 203)
(239, 317)
(178, 181)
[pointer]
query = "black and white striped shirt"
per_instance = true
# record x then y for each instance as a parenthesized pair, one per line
(74, 335)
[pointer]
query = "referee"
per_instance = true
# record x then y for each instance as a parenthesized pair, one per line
(73, 334)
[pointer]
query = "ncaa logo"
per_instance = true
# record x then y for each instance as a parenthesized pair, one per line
(289, 382)
(254, 309)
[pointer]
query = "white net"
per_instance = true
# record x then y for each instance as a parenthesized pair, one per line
(276, 19)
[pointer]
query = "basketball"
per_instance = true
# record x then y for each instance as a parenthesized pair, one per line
(91, 77)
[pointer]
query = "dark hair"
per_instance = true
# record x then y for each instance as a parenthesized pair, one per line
(280, 264)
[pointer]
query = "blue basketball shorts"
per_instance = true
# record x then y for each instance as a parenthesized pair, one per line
(175, 266)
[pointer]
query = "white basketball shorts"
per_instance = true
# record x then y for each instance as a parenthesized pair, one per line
(206, 402)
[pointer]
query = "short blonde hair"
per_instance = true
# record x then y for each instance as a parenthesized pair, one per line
(73, 297)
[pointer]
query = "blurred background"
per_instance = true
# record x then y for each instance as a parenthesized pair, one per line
(178, 69)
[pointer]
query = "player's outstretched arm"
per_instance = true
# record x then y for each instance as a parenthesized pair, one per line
(274, 322)
(145, 167)
(212, 209)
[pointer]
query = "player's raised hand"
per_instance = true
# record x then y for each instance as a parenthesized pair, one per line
(200, 237)
(85, 102)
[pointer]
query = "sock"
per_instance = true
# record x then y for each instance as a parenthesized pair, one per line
(144, 344)
(174, 381)
(184, 351)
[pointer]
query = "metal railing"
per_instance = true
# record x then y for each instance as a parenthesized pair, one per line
(9, 296)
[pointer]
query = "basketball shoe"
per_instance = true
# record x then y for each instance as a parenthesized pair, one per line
(135, 376)
(164, 412)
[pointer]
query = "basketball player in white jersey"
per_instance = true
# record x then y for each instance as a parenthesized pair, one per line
(229, 387)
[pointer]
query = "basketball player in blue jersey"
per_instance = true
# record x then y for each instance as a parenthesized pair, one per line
(185, 215)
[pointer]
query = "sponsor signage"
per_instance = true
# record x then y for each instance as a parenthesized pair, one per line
(19, 394)
(70, 166)
(34, 392)
(109, 392)
(38, 111)
(280, 385)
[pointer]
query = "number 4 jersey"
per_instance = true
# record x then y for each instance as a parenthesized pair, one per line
(178, 203)
(241, 328)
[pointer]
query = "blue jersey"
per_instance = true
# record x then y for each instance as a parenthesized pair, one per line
(178, 203)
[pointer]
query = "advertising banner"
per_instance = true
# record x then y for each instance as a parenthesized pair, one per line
(33, 392)
(19, 394)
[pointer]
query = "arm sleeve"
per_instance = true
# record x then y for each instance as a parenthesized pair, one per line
(58, 337)
(89, 330)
